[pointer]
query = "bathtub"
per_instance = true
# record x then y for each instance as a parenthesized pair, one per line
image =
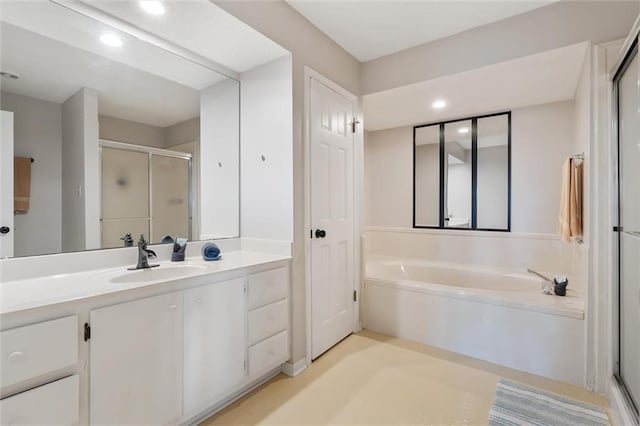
(496, 315)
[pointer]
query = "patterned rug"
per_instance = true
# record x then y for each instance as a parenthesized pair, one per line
(517, 404)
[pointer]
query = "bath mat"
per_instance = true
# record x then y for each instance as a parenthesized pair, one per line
(517, 404)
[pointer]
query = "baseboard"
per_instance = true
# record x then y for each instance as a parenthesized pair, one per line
(293, 369)
(620, 410)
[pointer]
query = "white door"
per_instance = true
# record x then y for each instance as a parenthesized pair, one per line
(214, 342)
(136, 362)
(332, 219)
(6, 184)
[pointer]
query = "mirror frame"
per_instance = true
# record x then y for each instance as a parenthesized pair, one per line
(474, 173)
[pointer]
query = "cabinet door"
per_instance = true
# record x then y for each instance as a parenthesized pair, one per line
(214, 342)
(136, 362)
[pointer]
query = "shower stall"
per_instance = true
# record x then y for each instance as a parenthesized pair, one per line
(145, 191)
(626, 101)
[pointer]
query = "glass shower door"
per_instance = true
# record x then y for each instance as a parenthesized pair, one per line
(125, 195)
(170, 213)
(627, 89)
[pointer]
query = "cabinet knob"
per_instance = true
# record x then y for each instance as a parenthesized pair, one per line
(16, 356)
(172, 307)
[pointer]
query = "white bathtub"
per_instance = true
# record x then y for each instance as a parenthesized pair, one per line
(496, 315)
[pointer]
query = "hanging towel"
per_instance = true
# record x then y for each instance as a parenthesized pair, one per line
(21, 184)
(570, 216)
(575, 206)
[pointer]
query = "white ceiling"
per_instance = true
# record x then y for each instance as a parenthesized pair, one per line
(201, 27)
(53, 71)
(57, 51)
(370, 29)
(550, 76)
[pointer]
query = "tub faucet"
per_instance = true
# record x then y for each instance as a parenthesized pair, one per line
(547, 285)
(144, 255)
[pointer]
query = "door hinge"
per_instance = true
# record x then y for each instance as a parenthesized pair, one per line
(87, 331)
(353, 125)
(355, 296)
(245, 365)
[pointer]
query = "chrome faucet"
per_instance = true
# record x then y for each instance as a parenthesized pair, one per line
(547, 285)
(144, 255)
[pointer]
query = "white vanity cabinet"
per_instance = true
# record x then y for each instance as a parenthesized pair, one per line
(268, 319)
(136, 362)
(214, 342)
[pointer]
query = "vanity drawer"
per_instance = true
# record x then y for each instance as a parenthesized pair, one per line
(37, 349)
(267, 321)
(268, 354)
(267, 287)
(56, 403)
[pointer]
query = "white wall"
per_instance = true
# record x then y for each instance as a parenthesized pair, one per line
(309, 47)
(220, 165)
(542, 137)
(266, 130)
(388, 168)
(38, 134)
(427, 186)
(80, 172)
(493, 172)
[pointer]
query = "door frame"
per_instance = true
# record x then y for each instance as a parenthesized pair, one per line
(309, 74)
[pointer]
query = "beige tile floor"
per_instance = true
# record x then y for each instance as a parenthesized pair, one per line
(372, 379)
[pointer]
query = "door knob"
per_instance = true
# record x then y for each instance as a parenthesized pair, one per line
(4, 230)
(320, 233)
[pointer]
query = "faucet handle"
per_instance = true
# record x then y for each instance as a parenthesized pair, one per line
(142, 241)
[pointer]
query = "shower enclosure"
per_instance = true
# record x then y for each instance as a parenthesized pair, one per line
(145, 191)
(626, 84)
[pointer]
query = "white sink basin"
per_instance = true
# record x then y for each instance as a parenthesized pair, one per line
(157, 274)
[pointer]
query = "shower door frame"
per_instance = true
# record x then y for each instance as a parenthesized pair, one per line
(629, 52)
(150, 151)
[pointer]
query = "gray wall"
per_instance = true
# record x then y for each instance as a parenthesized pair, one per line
(119, 130)
(181, 133)
(38, 134)
(557, 25)
(80, 178)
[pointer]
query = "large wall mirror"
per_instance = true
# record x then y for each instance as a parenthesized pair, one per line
(111, 135)
(462, 172)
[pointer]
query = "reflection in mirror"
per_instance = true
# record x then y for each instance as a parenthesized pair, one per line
(457, 137)
(427, 176)
(126, 137)
(462, 174)
(493, 172)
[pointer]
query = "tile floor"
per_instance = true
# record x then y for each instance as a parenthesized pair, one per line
(374, 379)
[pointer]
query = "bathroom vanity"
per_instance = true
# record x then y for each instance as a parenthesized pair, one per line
(162, 346)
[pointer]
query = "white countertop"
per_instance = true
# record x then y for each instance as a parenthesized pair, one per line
(33, 293)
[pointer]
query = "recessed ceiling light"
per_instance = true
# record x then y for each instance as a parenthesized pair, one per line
(463, 130)
(152, 7)
(439, 104)
(111, 39)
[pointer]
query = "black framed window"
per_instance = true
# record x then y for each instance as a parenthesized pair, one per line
(462, 173)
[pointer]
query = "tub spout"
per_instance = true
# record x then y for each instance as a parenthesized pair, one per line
(547, 285)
